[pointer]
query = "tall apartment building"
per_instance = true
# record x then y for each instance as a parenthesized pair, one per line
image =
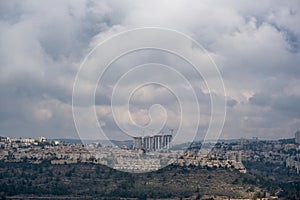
(297, 137)
(153, 143)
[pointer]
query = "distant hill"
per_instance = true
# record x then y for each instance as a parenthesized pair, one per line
(288, 140)
(118, 143)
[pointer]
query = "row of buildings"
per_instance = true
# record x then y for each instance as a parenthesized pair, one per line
(215, 159)
(152, 152)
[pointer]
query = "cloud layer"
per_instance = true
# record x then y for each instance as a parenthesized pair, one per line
(255, 45)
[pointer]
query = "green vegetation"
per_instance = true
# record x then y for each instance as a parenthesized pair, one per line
(88, 180)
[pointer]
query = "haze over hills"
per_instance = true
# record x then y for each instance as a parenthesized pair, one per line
(118, 143)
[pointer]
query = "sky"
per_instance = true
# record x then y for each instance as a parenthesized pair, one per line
(254, 44)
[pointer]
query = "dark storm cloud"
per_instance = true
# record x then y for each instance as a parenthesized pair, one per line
(261, 99)
(285, 105)
(288, 106)
(231, 102)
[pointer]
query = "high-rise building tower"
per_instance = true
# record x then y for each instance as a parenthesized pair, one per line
(137, 142)
(297, 137)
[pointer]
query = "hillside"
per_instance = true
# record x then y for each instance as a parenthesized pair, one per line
(88, 180)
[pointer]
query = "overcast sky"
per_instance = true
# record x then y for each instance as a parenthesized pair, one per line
(255, 44)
